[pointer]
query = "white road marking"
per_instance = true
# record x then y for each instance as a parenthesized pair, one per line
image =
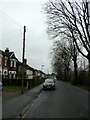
(30, 106)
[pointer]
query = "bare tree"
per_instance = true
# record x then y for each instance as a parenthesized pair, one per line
(68, 19)
(61, 59)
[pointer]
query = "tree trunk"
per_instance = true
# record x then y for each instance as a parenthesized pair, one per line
(75, 71)
(65, 75)
(75, 80)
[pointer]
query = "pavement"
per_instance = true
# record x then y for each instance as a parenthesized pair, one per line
(14, 105)
(9, 94)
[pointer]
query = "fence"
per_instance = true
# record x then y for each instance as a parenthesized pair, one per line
(28, 83)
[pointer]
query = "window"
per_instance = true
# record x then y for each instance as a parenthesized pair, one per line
(11, 63)
(5, 74)
(14, 63)
(5, 61)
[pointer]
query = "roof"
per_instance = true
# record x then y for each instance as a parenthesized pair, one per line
(2, 52)
(29, 67)
(26, 65)
(8, 54)
(41, 71)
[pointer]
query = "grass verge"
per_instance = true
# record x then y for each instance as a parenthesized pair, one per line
(12, 88)
(85, 87)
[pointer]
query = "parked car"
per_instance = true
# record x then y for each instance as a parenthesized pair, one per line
(49, 84)
(1, 86)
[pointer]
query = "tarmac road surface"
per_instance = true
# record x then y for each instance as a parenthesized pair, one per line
(65, 102)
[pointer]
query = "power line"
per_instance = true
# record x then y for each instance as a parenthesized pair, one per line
(11, 19)
(10, 33)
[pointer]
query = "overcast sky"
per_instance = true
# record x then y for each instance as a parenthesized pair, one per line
(14, 14)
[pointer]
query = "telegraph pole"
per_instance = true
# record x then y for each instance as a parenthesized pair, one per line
(23, 55)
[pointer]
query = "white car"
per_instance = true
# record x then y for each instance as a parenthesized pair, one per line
(49, 84)
(1, 87)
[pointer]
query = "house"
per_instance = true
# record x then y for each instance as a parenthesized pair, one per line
(19, 70)
(8, 64)
(30, 76)
(41, 76)
(11, 64)
(12, 71)
(27, 72)
(3, 65)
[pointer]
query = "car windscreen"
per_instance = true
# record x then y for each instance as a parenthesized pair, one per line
(49, 81)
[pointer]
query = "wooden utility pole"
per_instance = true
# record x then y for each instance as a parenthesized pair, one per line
(23, 54)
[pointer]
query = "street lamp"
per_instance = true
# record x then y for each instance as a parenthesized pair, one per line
(48, 71)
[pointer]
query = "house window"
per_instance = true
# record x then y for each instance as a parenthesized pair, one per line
(5, 61)
(5, 74)
(11, 63)
(14, 63)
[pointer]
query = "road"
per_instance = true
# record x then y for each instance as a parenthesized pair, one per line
(65, 102)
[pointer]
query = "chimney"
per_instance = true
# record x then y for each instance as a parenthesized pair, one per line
(25, 61)
(7, 50)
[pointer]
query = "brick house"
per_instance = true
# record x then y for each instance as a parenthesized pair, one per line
(3, 65)
(11, 70)
(11, 64)
(8, 64)
(29, 71)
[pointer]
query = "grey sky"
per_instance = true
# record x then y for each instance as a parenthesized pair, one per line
(29, 13)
